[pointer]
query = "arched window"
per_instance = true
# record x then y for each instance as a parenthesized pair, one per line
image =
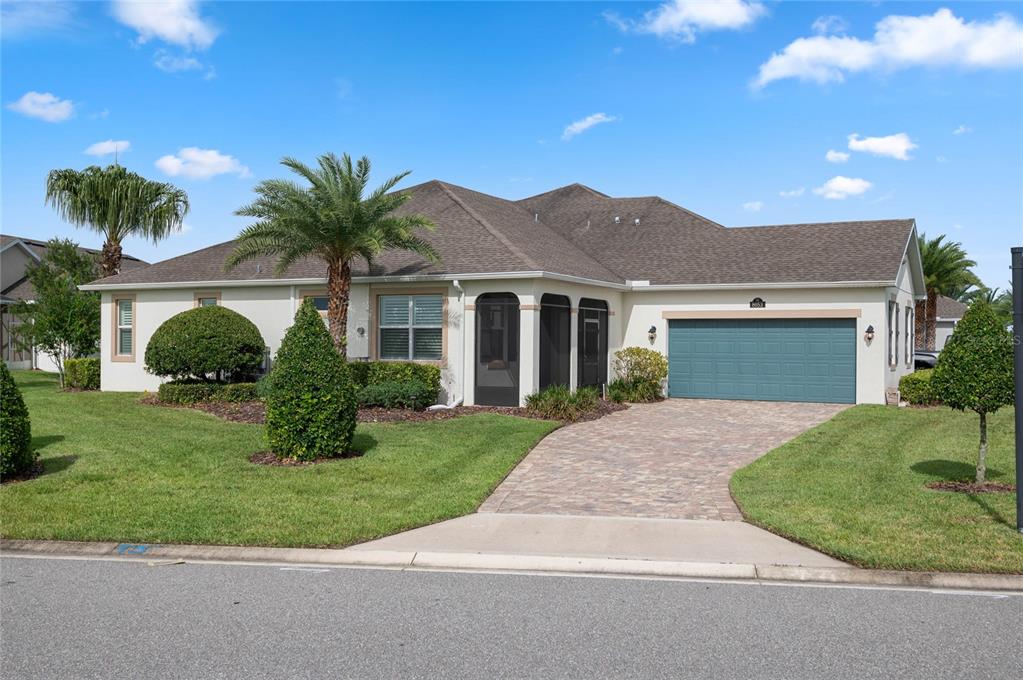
(497, 349)
(592, 342)
(555, 340)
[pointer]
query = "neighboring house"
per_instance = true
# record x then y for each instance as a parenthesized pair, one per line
(950, 311)
(16, 253)
(544, 290)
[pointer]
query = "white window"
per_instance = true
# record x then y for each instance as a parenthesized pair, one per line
(410, 327)
(207, 302)
(910, 330)
(893, 333)
(124, 342)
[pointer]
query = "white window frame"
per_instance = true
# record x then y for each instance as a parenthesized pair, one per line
(115, 348)
(411, 326)
(892, 332)
(910, 331)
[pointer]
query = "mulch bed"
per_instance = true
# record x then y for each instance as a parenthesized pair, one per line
(268, 458)
(972, 487)
(254, 411)
(31, 473)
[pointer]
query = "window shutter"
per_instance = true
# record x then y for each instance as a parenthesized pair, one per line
(428, 310)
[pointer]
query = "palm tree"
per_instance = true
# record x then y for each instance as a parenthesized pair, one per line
(330, 219)
(947, 270)
(116, 203)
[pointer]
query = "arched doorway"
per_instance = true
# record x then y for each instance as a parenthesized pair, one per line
(497, 350)
(555, 340)
(592, 342)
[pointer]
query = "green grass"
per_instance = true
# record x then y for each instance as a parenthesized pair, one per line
(854, 488)
(119, 470)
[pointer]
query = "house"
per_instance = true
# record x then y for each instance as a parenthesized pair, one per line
(544, 290)
(16, 253)
(949, 312)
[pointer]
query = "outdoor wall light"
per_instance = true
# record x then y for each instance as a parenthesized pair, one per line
(361, 331)
(652, 333)
(869, 335)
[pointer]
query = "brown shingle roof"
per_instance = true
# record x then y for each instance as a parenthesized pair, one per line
(950, 308)
(23, 289)
(573, 231)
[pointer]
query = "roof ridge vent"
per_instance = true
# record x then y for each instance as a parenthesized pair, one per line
(618, 219)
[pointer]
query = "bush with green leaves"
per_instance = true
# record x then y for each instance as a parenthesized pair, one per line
(16, 454)
(974, 370)
(641, 372)
(205, 343)
(394, 394)
(557, 402)
(197, 392)
(81, 374)
(311, 400)
(916, 388)
(365, 373)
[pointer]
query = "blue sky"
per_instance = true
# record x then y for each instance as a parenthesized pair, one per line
(729, 109)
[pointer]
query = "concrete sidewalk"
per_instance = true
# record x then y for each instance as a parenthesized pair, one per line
(604, 537)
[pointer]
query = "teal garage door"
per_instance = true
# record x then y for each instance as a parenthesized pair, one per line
(763, 359)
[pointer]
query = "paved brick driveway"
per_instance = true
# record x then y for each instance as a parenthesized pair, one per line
(672, 459)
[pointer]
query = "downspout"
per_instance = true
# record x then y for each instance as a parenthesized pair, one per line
(457, 402)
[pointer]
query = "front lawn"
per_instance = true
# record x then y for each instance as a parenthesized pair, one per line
(854, 488)
(119, 470)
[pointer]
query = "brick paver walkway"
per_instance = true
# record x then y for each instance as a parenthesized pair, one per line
(672, 459)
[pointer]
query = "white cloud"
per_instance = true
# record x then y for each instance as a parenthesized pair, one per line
(939, 39)
(173, 21)
(753, 206)
(683, 19)
(183, 229)
(833, 156)
(839, 187)
(25, 18)
(580, 126)
(196, 163)
(792, 193)
(894, 146)
(171, 63)
(962, 130)
(44, 106)
(108, 147)
(829, 24)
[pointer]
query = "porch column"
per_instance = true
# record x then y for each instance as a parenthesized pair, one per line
(468, 338)
(529, 348)
(573, 346)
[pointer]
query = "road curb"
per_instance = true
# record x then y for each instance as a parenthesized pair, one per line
(394, 559)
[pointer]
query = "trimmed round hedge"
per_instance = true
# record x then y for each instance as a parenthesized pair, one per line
(311, 402)
(16, 455)
(205, 343)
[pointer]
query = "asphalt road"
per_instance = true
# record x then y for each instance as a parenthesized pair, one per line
(90, 619)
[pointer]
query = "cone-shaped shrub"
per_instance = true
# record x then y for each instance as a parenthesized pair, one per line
(16, 455)
(311, 400)
(974, 370)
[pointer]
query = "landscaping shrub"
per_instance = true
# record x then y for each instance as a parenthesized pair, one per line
(195, 392)
(641, 372)
(311, 400)
(366, 373)
(16, 454)
(916, 388)
(974, 370)
(557, 402)
(82, 374)
(393, 394)
(205, 343)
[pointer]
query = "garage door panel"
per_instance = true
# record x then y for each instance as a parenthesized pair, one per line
(769, 359)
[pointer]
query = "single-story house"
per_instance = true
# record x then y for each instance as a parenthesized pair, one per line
(949, 312)
(544, 290)
(16, 254)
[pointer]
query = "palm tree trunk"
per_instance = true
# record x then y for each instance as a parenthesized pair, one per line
(110, 259)
(932, 318)
(919, 325)
(982, 452)
(339, 285)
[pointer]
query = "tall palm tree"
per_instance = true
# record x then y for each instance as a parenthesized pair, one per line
(331, 219)
(116, 203)
(947, 270)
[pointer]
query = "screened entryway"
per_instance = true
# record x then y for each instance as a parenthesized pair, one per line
(592, 342)
(555, 340)
(497, 350)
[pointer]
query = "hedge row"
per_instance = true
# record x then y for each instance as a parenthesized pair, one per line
(81, 374)
(366, 373)
(916, 388)
(196, 392)
(393, 394)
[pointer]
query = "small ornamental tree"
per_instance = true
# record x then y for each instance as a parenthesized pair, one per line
(310, 400)
(16, 455)
(205, 343)
(974, 370)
